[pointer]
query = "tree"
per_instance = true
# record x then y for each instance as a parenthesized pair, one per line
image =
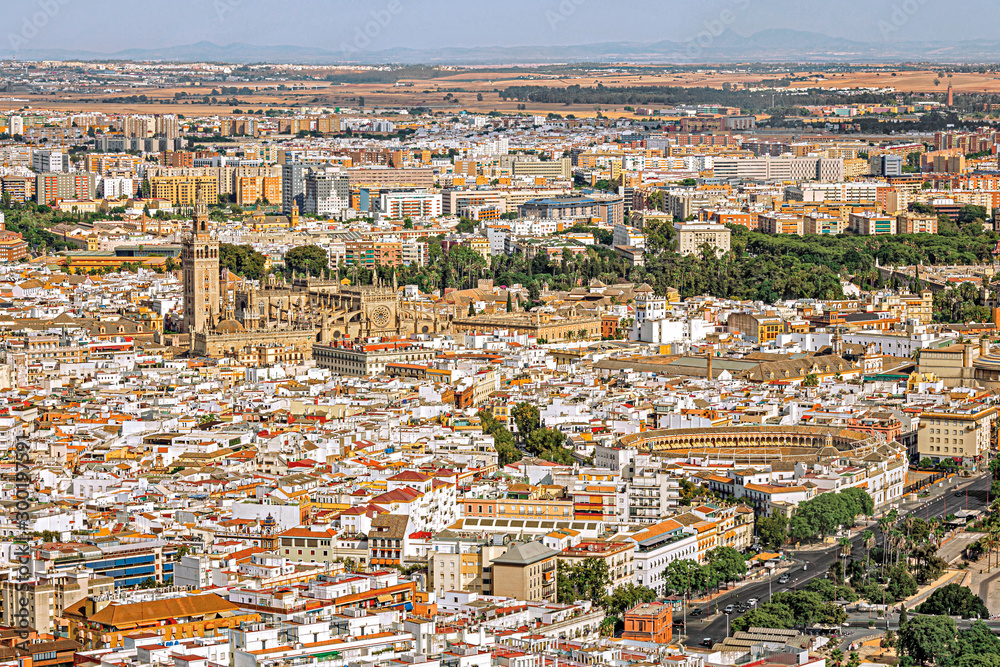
(149, 582)
(889, 641)
(901, 583)
(503, 439)
(472, 309)
(976, 646)
(925, 637)
(807, 607)
(242, 260)
(773, 530)
(767, 615)
(727, 562)
(526, 418)
(826, 512)
(307, 258)
(861, 504)
(682, 576)
(628, 596)
(954, 600)
(811, 380)
(510, 304)
(586, 580)
(549, 444)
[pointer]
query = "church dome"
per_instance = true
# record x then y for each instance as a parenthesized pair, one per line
(230, 326)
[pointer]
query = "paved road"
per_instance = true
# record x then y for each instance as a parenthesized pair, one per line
(813, 563)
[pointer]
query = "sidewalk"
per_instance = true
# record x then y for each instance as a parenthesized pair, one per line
(951, 548)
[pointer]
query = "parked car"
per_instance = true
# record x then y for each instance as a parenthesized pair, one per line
(707, 641)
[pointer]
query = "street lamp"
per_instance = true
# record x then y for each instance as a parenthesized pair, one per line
(727, 624)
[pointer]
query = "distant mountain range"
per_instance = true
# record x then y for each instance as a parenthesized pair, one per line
(777, 45)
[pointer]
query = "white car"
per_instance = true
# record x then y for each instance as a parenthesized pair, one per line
(752, 602)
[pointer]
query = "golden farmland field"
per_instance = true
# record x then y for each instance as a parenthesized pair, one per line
(466, 85)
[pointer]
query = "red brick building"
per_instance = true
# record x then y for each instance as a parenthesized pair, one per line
(13, 248)
(649, 622)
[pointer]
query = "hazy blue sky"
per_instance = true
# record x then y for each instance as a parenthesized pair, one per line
(111, 25)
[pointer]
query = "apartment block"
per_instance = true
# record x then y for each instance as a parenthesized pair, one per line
(49, 161)
(961, 434)
(726, 217)
(870, 224)
(327, 191)
(51, 187)
(756, 328)
(47, 597)
(369, 254)
(781, 223)
(783, 169)
(526, 572)
(916, 223)
(20, 188)
(250, 189)
(413, 203)
(549, 169)
(817, 223)
(183, 190)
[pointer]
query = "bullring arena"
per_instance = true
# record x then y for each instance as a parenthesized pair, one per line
(762, 445)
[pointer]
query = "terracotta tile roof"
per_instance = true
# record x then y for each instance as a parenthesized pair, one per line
(123, 616)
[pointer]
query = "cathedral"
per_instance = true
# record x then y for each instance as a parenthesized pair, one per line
(293, 315)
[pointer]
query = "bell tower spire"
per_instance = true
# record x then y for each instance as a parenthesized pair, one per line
(200, 262)
(200, 219)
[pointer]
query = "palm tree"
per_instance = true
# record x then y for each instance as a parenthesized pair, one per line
(883, 526)
(836, 656)
(868, 539)
(845, 549)
(994, 541)
(987, 543)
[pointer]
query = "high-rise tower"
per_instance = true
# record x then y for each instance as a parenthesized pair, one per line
(200, 261)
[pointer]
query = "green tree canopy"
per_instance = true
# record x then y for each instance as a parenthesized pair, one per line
(307, 258)
(923, 638)
(242, 260)
(526, 418)
(626, 596)
(728, 563)
(954, 600)
(773, 530)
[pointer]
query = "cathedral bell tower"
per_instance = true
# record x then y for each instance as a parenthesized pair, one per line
(200, 262)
